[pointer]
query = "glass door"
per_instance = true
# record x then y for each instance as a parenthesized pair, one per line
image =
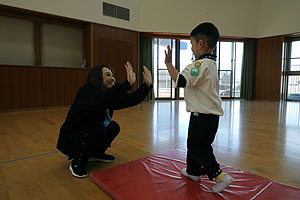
(293, 86)
(162, 80)
(186, 58)
(229, 62)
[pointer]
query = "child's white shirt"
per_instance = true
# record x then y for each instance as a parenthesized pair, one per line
(201, 92)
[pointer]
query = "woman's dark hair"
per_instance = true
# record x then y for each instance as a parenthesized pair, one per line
(95, 79)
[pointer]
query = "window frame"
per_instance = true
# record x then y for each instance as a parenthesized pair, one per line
(38, 19)
(289, 73)
(233, 65)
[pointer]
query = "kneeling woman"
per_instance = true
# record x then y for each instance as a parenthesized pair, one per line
(88, 129)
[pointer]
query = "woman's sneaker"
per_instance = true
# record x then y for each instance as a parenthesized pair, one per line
(102, 158)
(194, 178)
(78, 171)
(221, 185)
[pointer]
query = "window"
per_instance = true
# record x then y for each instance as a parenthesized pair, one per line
(16, 41)
(293, 86)
(162, 80)
(37, 41)
(295, 56)
(229, 62)
(61, 46)
(186, 58)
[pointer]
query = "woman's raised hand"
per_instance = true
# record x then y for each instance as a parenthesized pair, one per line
(130, 74)
(147, 76)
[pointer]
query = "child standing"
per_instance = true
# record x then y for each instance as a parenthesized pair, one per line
(201, 93)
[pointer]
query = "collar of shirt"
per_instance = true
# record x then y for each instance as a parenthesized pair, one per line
(209, 56)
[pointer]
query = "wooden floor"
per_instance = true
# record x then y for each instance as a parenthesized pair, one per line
(258, 137)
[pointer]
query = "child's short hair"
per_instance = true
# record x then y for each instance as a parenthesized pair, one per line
(207, 32)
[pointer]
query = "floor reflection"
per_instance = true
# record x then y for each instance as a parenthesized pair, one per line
(289, 114)
(254, 135)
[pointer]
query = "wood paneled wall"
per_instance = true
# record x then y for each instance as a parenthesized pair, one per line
(267, 71)
(33, 87)
(24, 87)
(114, 47)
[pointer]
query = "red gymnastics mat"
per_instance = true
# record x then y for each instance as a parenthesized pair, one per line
(158, 177)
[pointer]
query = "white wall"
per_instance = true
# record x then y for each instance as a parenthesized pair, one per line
(244, 18)
(232, 17)
(278, 17)
(89, 10)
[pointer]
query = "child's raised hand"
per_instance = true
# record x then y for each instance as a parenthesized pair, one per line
(147, 76)
(168, 58)
(130, 74)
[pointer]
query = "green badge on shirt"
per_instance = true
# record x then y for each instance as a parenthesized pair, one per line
(194, 71)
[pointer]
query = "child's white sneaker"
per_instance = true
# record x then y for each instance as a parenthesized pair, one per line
(221, 185)
(194, 178)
